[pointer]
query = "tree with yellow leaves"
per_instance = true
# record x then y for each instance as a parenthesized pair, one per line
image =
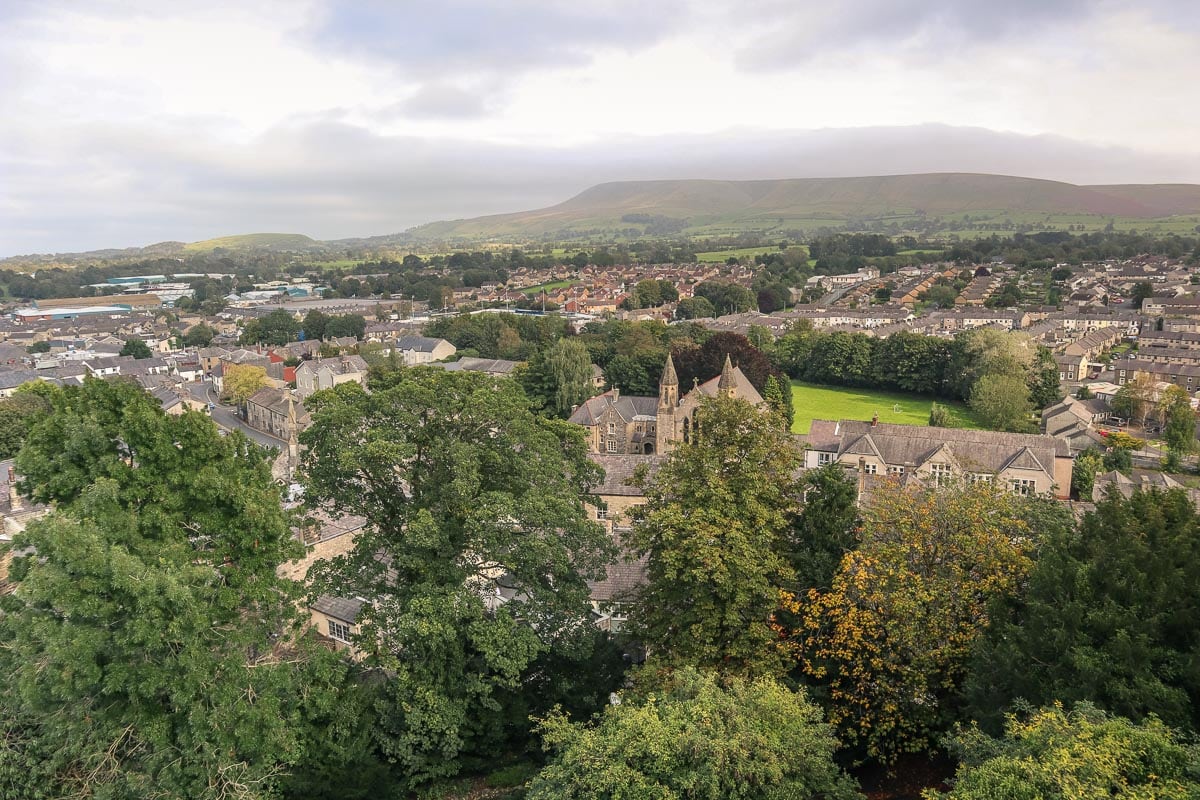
(243, 380)
(891, 638)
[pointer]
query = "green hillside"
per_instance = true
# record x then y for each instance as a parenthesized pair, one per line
(255, 241)
(704, 206)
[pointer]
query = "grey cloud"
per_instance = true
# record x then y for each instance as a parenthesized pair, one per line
(444, 101)
(475, 36)
(794, 33)
(332, 180)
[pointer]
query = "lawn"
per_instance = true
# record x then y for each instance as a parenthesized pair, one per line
(532, 290)
(838, 402)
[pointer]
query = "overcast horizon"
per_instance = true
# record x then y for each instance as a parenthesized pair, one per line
(136, 122)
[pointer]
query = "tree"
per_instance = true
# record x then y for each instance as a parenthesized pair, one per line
(199, 335)
(475, 555)
(1142, 291)
(706, 361)
(1002, 402)
(940, 296)
(38, 347)
(1043, 381)
(825, 530)
(346, 325)
(277, 328)
(1052, 753)
(136, 348)
(939, 416)
(726, 298)
(986, 351)
(314, 325)
(1083, 473)
(560, 377)
(241, 381)
(149, 648)
(712, 531)
(703, 738)
(1108, 617)
(892, 636)
(1135, 400)
(18, 414)
(1084, 393)
(1179, 420)
(695, 308)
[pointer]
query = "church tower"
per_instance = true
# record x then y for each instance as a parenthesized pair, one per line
(727, 387)
(668, 401)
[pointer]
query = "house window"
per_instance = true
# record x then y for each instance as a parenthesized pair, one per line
(824, 458)
(339, 631)
(941, 474)
(1023, 486)
(612, 445)
(980, 477)
(612, 427)
(895, 470)
(870, 469)
(601, 513)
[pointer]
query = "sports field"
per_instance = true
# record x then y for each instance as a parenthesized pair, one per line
(838, 402)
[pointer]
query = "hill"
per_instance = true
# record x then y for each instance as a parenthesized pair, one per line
(707, 206)
(272, 242)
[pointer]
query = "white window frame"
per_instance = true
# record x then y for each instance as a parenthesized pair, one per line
(611, 446)
(1023, 486)
(339, 631)
(824, 459)
(942, 473)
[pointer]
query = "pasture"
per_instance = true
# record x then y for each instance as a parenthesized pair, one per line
(811, 401)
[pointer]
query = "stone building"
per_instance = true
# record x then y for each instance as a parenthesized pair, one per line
(648, 425)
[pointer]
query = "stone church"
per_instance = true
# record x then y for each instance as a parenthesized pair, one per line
(648, 425)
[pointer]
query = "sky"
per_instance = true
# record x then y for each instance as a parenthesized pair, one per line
(128, 122)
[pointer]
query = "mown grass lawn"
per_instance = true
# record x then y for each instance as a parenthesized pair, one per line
(839, 402)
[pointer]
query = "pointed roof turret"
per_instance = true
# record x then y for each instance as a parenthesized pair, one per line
(727, 386)
(669, 378)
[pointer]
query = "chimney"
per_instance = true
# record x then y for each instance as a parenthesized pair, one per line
(616, 393)
(875, 419)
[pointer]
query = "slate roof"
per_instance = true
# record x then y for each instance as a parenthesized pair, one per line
(339, 608)
(419, 344)
(622, 580)
(618, 469)
(914, 445)
(628, 407)
(492, 366)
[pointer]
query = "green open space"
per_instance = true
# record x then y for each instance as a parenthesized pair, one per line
(548, 286)
(812, 401)
(739, 252)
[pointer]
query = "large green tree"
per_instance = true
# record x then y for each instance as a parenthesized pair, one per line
(136, 348)
(475, 554)
(1002, 402)
(826, 528)
(701, 738)
(1053, 754)
(560, 377)
(712, 530)
(1179, 420)
(29, 404)
(1109, 616)
(149, 647)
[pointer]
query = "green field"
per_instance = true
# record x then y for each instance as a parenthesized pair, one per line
(741, 252)
(531, 290)
(838, 402)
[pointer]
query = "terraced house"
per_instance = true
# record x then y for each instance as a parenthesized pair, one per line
(1025, 463)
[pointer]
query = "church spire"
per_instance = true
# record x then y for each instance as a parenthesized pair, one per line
(668, 385)
(726, 387)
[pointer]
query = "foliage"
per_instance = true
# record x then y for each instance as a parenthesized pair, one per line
(29, 404)
(1084, 393)
(1083, 473)
(726, 298)
(704, 362)
(702, 738)
(1108, 616)
(241, 381)
(1002, 402)
(987, 351)
(939, 417)
(1058, 755)
(559, 377)
(277, 328)
(892, 636)
(695, 308)
(146, 649)
(825, 530)
(711, 531)
(1135, 400)
(510, 336)
(1044, 389)
(476, 551)
(136, 348)
(199, 335)
(38, 347)
(1179, 420)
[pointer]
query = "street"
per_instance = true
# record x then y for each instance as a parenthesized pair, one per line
(227, 418)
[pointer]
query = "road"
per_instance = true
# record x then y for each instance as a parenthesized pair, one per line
(227, 418)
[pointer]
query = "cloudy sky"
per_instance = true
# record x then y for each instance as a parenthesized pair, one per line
(126, 122)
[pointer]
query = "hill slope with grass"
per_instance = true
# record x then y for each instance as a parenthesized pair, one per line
(695, 205)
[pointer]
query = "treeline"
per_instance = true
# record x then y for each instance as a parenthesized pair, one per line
(1004, 376)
